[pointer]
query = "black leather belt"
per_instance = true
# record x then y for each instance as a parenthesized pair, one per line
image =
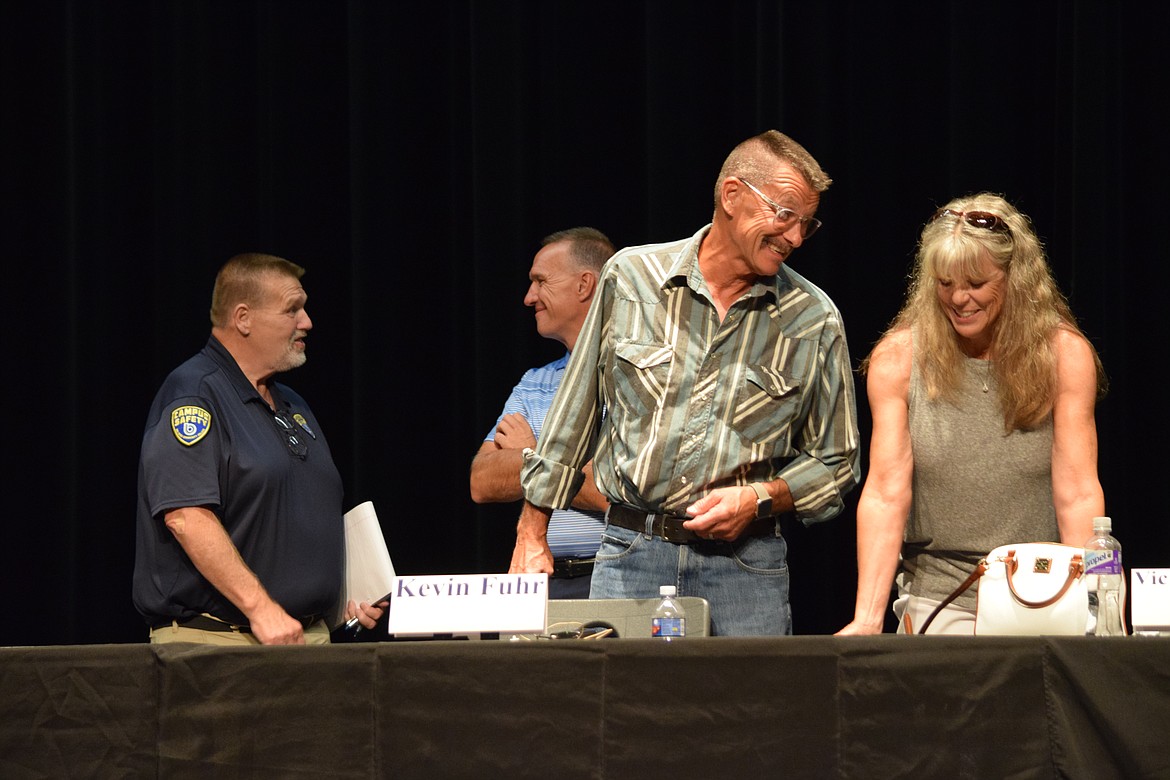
(204, 623)
(670, 527)
(568, 568)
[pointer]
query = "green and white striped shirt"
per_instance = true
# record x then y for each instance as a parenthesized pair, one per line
(696, 404)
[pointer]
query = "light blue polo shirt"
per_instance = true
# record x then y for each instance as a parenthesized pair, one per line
(571, 533)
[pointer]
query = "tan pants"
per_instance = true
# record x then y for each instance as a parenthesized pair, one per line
(912, 612)
(316, 634)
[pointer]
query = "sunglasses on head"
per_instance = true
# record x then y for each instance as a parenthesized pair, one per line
(979, 219)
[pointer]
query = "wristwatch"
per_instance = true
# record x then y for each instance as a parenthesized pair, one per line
(763, 500)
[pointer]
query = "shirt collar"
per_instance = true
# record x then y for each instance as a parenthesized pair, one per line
(685, 270)
(243, 386)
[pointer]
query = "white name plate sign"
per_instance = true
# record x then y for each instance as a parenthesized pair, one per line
(468, 604)
(1149, 600)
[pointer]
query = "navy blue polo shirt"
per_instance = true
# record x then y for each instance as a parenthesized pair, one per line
(212, 441)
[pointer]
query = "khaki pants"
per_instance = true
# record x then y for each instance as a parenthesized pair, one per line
(316, 634)
(912, 612)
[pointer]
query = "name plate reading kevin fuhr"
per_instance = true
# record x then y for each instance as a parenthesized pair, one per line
(469, 603)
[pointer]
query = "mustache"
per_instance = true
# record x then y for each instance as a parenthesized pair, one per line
(781, 243)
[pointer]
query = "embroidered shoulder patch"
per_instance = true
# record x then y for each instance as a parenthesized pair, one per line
(190, 423)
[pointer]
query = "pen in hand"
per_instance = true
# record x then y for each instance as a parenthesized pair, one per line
(353, 626)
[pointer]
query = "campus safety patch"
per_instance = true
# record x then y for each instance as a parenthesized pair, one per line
(190, 423)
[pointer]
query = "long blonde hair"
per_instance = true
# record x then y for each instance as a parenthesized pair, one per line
(1023, 359)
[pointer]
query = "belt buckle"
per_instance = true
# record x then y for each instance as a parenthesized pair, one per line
(234, 628)
(574, 567)
(674, 532)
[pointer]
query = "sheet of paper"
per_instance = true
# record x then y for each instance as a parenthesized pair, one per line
(369, 573)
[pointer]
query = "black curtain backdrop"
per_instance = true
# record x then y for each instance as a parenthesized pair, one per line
(411, 156)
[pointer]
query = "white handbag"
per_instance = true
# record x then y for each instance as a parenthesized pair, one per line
(1028, 589)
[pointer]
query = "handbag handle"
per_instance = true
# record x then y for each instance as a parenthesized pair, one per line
(1076, 567)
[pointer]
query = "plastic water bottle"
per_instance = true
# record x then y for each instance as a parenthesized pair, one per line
(669, 621)
(1105, 580)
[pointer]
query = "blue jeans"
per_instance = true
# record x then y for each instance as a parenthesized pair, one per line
(745, 581)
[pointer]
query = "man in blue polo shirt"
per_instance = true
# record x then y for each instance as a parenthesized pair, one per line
(563, 279)
(240, 536)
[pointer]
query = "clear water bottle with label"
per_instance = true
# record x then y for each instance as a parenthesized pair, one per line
(669, 621)
(1105, 579)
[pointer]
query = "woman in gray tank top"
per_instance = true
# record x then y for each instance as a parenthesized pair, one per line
(982, 394)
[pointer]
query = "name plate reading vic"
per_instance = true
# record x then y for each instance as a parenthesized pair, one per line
(1149, 600)
(469, 603)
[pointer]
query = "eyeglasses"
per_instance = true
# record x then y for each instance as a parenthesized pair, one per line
(979, 219)
(288, 430)
(786, 217)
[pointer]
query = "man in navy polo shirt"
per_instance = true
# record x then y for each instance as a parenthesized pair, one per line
(562, 281)
(240, 537)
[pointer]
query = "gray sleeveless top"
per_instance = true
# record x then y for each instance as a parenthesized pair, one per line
(975, 488)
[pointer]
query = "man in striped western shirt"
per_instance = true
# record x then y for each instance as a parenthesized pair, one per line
(562, 281)
(729, 401)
